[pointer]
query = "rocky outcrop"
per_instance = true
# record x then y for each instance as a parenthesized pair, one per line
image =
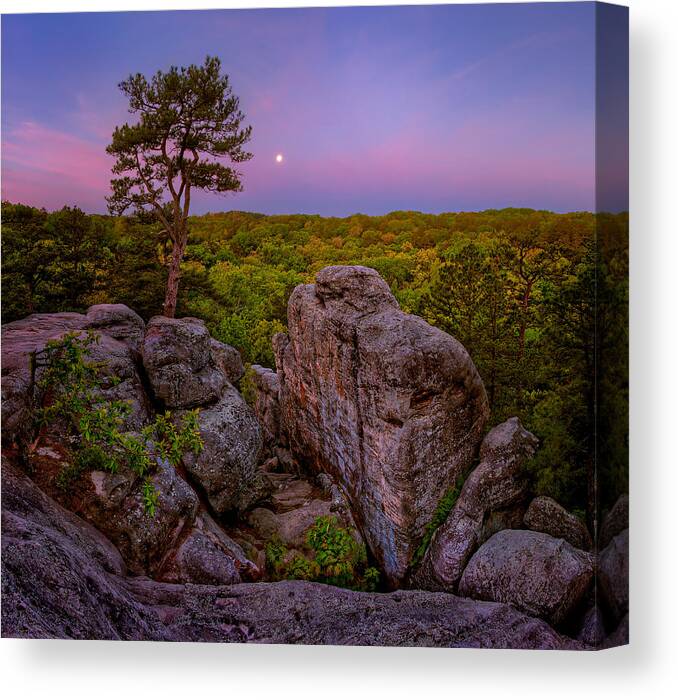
(62, 579)
(267, 405)
(177, 356)
(615, 521)
(227, 359)
(171, 540)
(489, 500)
(120, 331)
(226, 467)
(113, 504)
(546, 515)
(538, 574)
(613, 575)
(388, 405)
(117, 321)
(207, 555)
(20, 339)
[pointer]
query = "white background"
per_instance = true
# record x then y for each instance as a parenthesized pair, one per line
(646, 669)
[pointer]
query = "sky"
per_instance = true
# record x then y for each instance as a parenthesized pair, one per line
(374, 109)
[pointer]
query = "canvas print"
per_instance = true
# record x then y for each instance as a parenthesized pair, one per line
(315, 326)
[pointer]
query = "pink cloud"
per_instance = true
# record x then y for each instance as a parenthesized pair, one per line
(38, 162)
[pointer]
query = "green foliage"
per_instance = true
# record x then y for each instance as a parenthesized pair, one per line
(189, 120)
(248, 387)
(74, 405)
(336, 559)
(443, 509)
(275, 551)
(523, 290)
(50, 260)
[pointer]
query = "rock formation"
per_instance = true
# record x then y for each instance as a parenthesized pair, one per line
(536, 573)
(226, 467)
(494, 487)
(391, 407)
(185, 365)
(372, 416)
(121, 330)
(546, 515)
(267, 406)
(178, 359)
(62, 579)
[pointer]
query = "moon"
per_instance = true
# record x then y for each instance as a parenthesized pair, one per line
(279, 158)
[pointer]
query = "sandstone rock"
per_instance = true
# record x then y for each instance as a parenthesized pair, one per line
(228, 360)
(538, 574)
(546, 515)
(113, 503)
(267, 406)
(294, 494)
(54, 585)
(616, 520)
(388, 405)
(118, 329)
(294, 524)
(207, 555)
(30, 509)
(264, 522)
(613, 575)
(120, 379)
(117, 321)
(19, 340)
(178, 360)
(226, 468)
(490, 499)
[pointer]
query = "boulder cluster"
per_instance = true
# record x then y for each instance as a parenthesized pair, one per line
(372, 416)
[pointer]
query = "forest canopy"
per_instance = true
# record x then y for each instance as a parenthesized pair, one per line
(540, 300)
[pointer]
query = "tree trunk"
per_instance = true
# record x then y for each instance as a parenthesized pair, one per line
(173, 276)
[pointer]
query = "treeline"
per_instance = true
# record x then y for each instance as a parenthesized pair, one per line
(539, 299)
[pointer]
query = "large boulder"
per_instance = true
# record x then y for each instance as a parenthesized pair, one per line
(538, 574)
(177, 356)
(117, 321)
(546, 515)
(207, 555)
(227, 359)
(390, 406)
(60, 580)
(226, 468)
(490, 498)
(613, 575)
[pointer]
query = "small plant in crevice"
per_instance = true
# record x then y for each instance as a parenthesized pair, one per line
(443, 509)
(74, 407)
(337, 559)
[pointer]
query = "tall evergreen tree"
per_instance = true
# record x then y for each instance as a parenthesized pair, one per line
(189, 120)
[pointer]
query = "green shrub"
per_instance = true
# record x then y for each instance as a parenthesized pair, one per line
(248, 387)
(73, 405)
(337, 558)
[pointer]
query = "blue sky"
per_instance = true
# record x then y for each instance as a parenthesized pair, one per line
(433, 108)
